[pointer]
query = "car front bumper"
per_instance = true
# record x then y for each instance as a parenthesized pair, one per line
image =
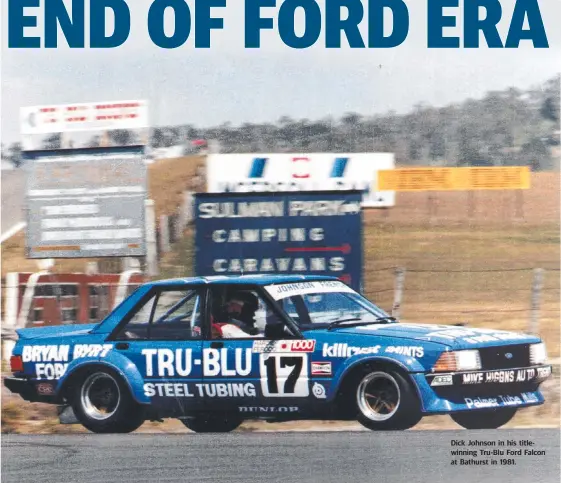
(473, 390)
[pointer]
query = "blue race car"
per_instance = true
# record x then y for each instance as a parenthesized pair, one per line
(214, 351)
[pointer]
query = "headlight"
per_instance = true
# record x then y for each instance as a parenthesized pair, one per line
(468, 360)
(538, 354)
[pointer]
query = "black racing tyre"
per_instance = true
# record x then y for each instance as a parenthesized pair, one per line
(103, 403)
(385, 400)
(212, 423)
(484, 419)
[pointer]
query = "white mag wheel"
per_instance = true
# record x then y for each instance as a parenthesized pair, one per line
(378, 396)
(100, 396)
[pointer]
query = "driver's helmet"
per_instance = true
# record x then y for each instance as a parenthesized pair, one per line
(242, 306)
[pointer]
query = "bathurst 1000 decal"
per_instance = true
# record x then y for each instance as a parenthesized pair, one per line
(283, 346)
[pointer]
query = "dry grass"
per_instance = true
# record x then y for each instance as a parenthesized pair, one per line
(13, 259)
(169, 178)
(481, 276)
(537, 206)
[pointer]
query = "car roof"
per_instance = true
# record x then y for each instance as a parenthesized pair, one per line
(241, 280)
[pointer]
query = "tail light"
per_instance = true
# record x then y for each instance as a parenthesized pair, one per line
(16, 364)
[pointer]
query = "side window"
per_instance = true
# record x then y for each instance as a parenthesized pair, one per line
(239, 314)
(167, 315)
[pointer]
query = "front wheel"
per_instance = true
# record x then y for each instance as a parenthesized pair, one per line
(103, 404)
(212, 423)
(487, 419)
(386, 401)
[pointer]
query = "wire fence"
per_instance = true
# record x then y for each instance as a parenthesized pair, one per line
(523, 299)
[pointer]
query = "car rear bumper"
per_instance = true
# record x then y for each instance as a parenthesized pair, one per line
(32, 391)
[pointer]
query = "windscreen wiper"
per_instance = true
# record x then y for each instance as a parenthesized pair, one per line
(338, 323)
(386, 319)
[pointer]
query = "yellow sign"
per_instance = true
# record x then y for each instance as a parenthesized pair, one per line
(457, 179)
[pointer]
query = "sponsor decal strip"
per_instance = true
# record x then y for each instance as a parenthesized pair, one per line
(51, 361)
(180, 362)
(321, 368)
(345, 350)
(285, 290)
(476, 336)
(267, 409)
(506, 376)
(283, 346)
(501, 401)
(409, 351)
(61, 353)
(219, 390)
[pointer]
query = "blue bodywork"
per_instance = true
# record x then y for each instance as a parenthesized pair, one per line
(176, 377)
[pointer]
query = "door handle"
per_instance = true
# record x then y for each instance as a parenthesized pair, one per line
(217, 345)
(122, 346)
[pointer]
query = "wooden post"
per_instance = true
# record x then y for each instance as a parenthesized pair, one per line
(537, 286)
(151, 246)
(519, 205)
(398, 292)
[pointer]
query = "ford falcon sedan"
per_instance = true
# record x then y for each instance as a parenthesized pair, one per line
(215, 351)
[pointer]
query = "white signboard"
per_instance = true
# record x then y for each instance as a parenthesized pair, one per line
(92, 116)
(86, 203)
(234, 173)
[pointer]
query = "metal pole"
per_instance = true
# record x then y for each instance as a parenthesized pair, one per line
(151, 246)
(537, 285)
(398, 291)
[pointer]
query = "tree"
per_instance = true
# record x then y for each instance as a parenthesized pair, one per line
(120, 137)
(535, 154)
(157, 138)
(52, 142)
(14, 153)
(550, 109)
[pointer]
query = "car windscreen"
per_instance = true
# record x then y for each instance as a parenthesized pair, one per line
(323, 302)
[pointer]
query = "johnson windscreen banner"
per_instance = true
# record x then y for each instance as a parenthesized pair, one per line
(315, 233)
(235, 173)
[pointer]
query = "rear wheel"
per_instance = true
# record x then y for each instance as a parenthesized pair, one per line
(487, 419)
(212, 423)
(103, 404)
(386, 400)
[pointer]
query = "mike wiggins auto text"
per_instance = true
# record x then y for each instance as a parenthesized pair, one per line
(300, 24)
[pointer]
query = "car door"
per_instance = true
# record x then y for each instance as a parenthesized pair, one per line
(163, 339)
(266, 372)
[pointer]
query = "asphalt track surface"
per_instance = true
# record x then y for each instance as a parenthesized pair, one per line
(411, 456)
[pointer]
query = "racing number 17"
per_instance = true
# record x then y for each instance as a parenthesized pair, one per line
(290, 384)
(284, 375)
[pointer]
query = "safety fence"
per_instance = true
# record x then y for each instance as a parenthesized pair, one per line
(525, 299)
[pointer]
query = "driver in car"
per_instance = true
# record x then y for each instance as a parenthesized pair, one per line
(238, 317)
